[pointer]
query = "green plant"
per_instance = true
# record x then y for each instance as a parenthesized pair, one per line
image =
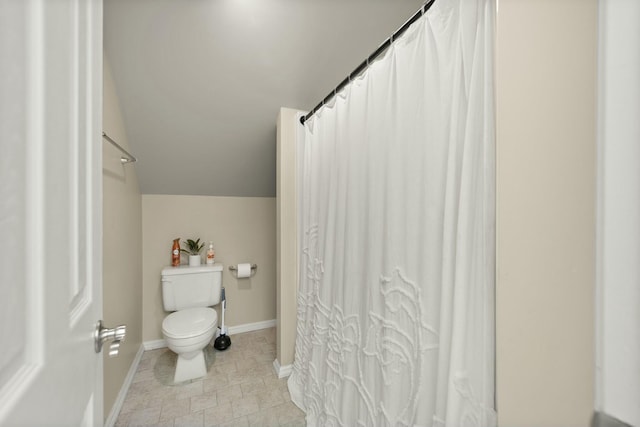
(193, 247)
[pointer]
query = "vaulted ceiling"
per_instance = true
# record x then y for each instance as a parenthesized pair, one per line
(200, 82)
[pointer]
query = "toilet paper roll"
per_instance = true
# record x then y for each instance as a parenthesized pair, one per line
(244, 270)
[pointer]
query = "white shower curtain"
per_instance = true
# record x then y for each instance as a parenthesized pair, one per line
(396, 294)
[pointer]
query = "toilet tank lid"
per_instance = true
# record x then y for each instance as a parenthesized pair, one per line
(186, 269)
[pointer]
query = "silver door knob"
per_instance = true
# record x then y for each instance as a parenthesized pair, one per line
(103, 335)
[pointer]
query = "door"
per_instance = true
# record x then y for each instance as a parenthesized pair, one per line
(50, 212)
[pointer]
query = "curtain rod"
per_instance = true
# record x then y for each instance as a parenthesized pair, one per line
(129, 159)
(365, 64)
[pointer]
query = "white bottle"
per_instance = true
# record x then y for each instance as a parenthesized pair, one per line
(210, 254)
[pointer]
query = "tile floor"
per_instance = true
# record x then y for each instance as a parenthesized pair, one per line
(240, 389)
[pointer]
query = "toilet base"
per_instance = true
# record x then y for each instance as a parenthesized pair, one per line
(188, 369)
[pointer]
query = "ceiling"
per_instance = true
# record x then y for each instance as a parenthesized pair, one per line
(200, 82)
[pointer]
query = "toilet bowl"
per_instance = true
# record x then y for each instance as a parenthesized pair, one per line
(187, 333)
(190, 292)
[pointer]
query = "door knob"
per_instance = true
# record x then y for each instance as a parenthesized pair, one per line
(103, 335)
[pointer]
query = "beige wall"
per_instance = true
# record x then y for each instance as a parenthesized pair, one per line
(546, 87)
(242, 230)
(286, 230)
(122, 246)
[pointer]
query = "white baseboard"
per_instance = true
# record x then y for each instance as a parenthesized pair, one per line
(248, 327)
(282, 371)
(154, 344)
(233, 330)
(117, 405)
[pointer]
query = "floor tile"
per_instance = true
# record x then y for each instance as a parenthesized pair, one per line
(174, 408)
(204, 401)
(245, 406)
(189, 390)
(264, 418)
(218, 415)
(229, 394)
(269, 399)
(215, 382)
(143, 417)
(194, 419)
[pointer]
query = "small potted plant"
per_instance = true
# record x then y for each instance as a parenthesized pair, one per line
(193, 250)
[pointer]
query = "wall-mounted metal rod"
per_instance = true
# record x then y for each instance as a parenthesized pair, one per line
(130, 157)
(365, 64)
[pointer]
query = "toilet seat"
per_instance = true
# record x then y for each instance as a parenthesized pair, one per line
(189, 323)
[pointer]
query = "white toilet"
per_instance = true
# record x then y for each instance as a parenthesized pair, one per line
(190, 292)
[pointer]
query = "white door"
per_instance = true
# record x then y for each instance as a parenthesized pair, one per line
(50, 212)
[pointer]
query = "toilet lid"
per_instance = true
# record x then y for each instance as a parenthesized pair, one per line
(190, 322)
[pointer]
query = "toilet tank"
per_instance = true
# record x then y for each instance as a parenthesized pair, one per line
(188, 287)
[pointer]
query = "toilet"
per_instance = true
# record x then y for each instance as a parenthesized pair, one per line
(189, 292)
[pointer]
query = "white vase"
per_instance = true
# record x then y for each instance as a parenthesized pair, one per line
(194, 260)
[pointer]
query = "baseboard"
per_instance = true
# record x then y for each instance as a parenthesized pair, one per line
(248, 327)
(154, 345)
(117, 405)
(233, 330)
(282, 371)
(600, 419)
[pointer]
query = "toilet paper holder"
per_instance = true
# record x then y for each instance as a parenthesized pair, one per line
(254, 267)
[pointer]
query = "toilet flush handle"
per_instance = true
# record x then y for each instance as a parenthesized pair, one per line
(103, 335)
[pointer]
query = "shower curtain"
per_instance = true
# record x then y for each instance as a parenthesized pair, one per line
(395, 322)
